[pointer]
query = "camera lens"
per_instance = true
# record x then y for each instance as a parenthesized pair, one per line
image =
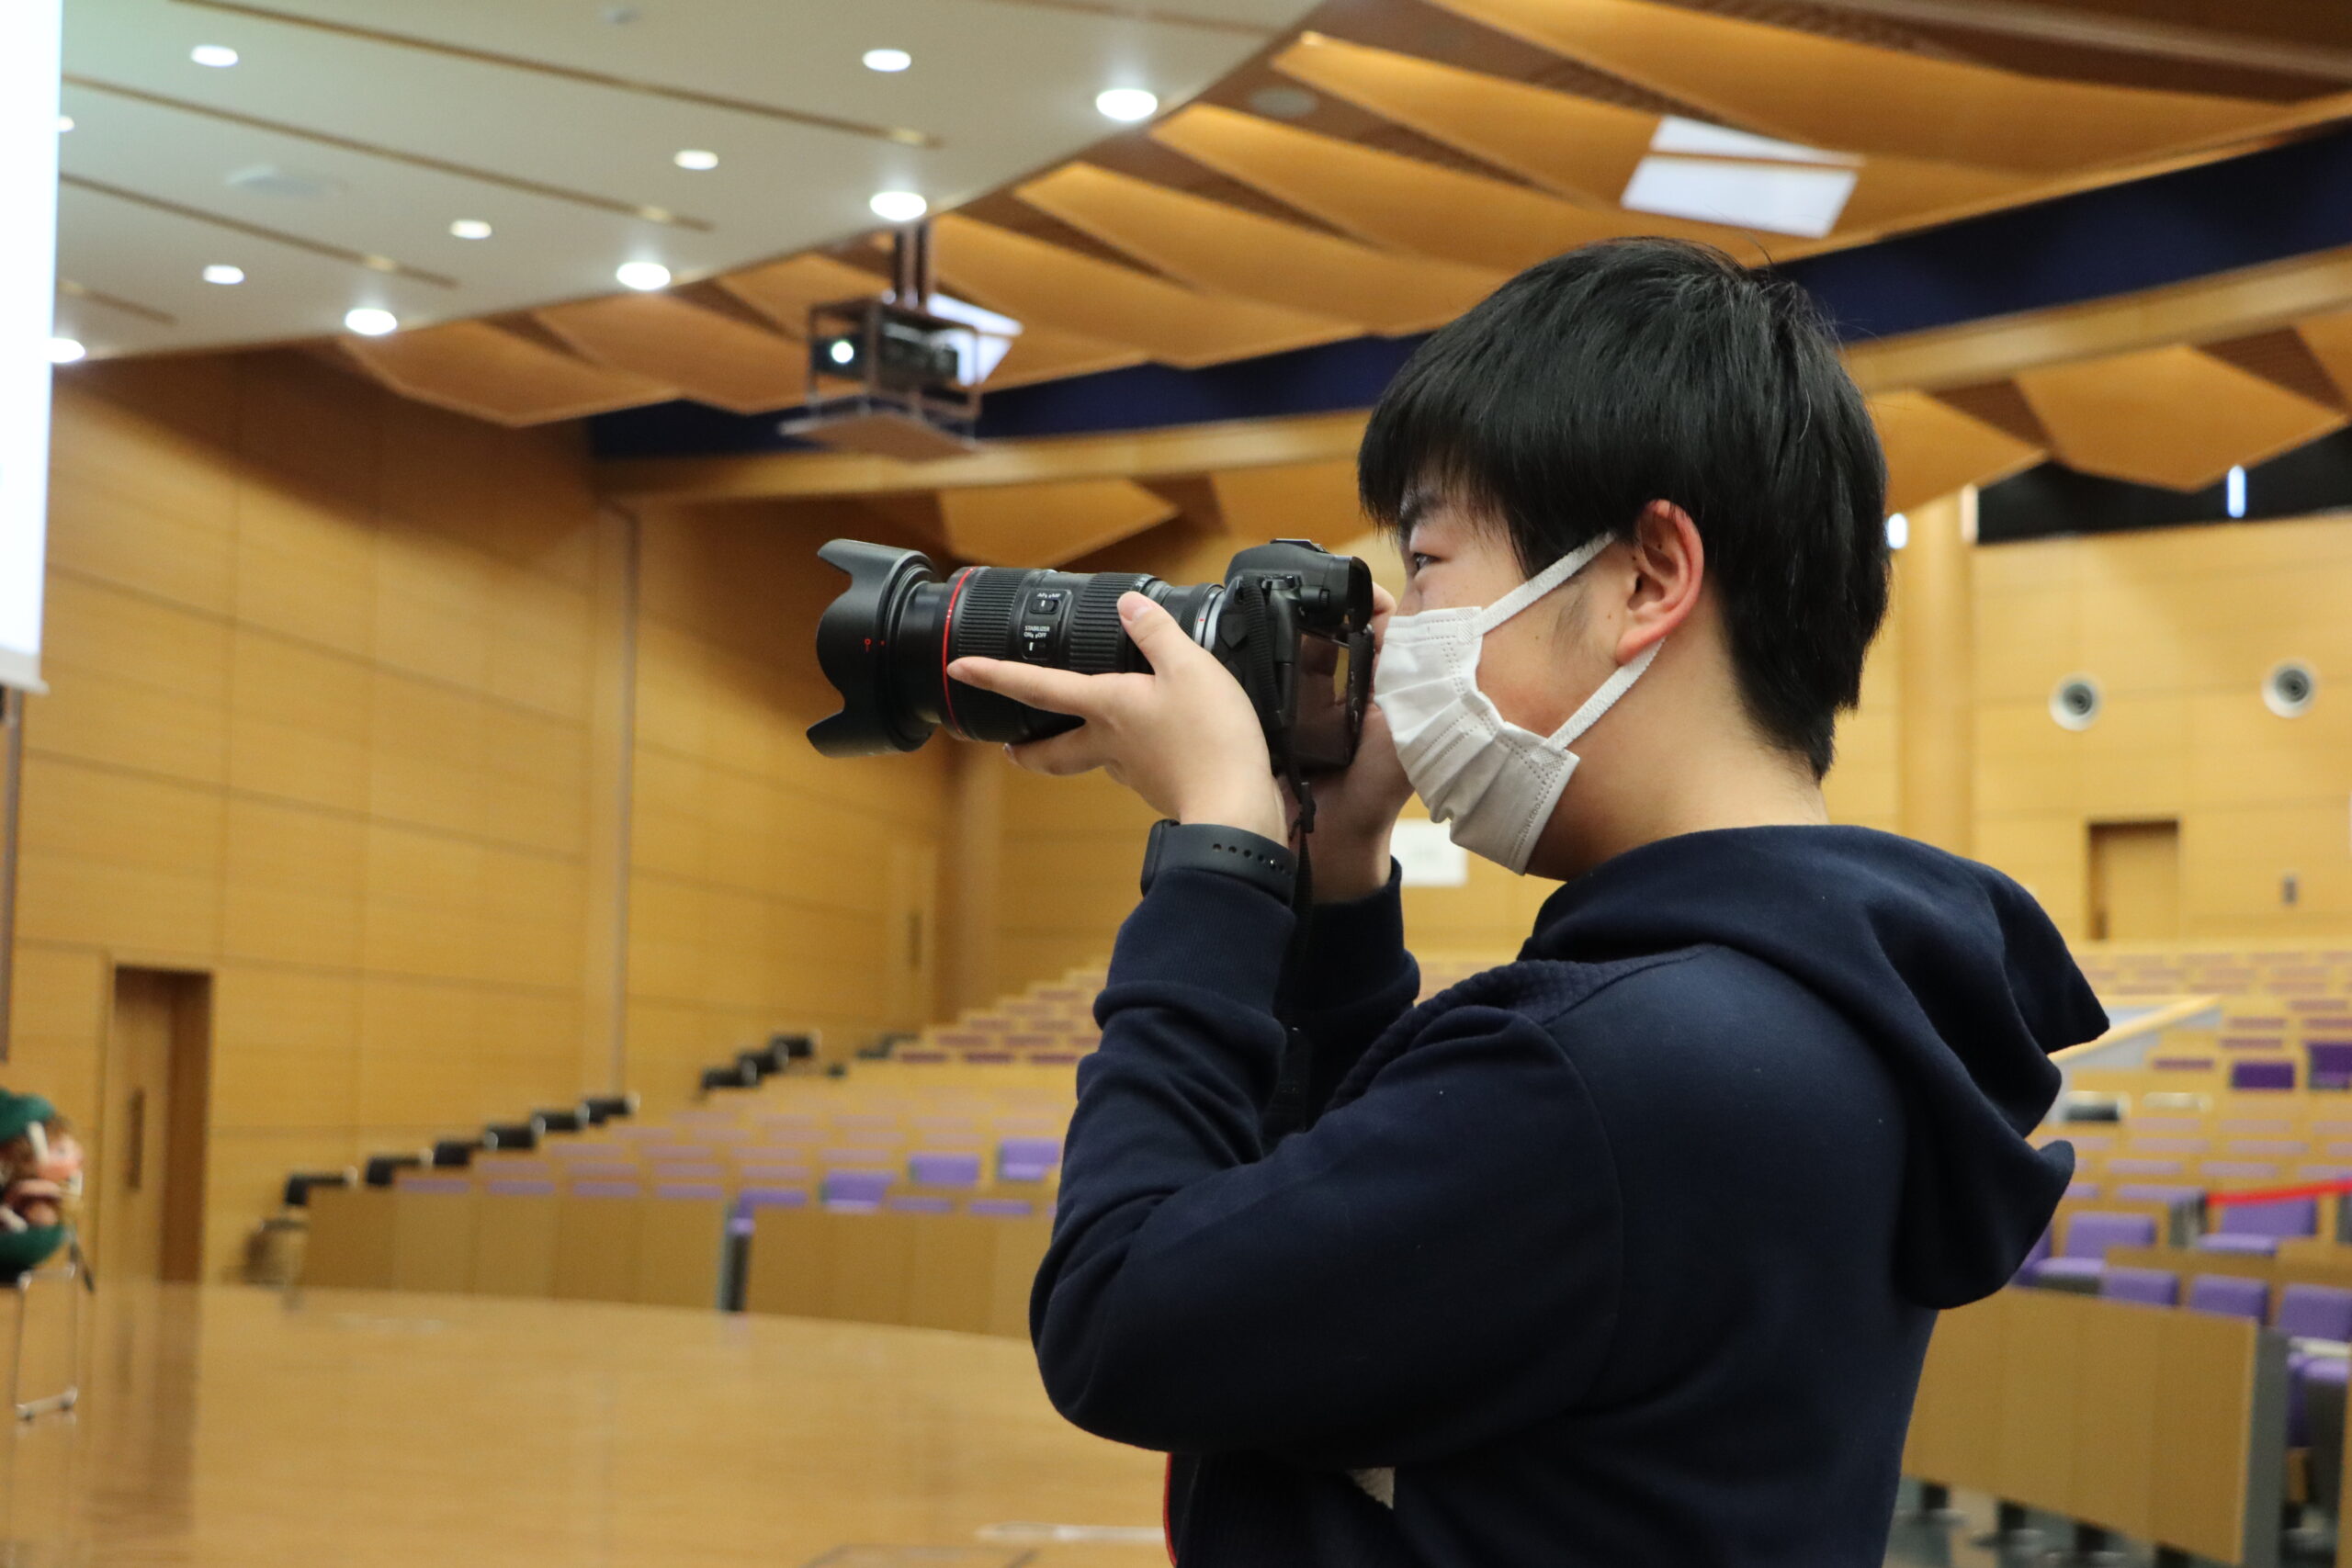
(887, 641)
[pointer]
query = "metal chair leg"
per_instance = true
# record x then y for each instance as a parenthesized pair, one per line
(68, 1272)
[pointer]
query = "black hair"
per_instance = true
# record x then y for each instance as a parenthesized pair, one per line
(1639, 370)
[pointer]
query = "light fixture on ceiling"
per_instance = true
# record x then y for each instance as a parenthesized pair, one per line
(1127, 105)
(695, 158)
(219, 56)
(223, 273)
(898, 206)
(64, 123)
(64, 351)
(887, 59)
(843, 351)
(471, 228)
(1715, 174)
(368, 322)
(2233, 493)
(1898, 531)
(645, 276)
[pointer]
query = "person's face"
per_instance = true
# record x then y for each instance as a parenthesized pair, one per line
(1537, 666)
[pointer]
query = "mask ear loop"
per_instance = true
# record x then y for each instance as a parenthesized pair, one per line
(1621, 680)
(1542, 582)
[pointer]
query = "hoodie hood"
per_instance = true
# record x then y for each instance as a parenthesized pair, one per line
(1948, 969)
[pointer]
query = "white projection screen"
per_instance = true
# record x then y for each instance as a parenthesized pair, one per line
(28, 68)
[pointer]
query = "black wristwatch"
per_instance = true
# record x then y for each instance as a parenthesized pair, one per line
(1202, 846)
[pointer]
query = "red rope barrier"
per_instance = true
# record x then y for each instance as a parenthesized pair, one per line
(2278, 1194)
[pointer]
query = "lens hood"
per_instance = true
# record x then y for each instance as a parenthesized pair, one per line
(855, 648)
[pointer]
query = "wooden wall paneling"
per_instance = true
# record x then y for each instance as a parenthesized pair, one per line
(1933, 450)
(1934, 577)
(712, 358)
(2169, 416)
(1296, 501)
(1032, 280)
(1833, 93)
(1046, 525)
(1210, 245)
(486, 371)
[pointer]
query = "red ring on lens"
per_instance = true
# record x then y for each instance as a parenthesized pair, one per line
(947, 640)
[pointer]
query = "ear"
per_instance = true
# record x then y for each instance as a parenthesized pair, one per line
(1670, 566)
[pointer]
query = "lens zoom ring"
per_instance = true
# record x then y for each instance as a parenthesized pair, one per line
(1095, 634)
(985, 611)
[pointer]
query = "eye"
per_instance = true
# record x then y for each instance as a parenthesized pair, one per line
(1416, 561)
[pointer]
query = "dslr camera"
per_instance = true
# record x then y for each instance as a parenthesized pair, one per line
(1291, 620)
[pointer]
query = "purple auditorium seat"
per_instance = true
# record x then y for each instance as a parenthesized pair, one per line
(520, 1187)
(2329, 1370)
(606, 1189)
(2229, 1295)
(2278, 1218)
(2084, 1257)
(2128, 1165)
(2148, 1287)
(2080, 1191)
(2315, 1312)
(929, 1168)
(2331, 1064)
(2035, 1253)
(857, 1191)
(752, 1199)
(2262, 1077)
(2248, 1172)
(1001, 1208)
(688, 1191)
(1027, 1159)
(919, 1203)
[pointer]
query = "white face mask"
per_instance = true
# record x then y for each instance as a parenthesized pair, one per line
(1492, 782)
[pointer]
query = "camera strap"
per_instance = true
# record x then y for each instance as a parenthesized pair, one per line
(1286, 1110)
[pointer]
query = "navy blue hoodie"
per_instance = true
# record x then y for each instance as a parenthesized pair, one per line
(1622, 1254)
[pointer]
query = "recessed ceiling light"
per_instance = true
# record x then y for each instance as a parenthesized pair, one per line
(898, 206)
(1128, 104)
(642, 276)
(64, 351)
(368, 322)
(221, 272)
(695, 158)
(64, 123)
(471, 228)
(887, 59)
(219, 56)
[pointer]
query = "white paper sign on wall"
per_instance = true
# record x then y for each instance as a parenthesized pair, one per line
(1427, 856)
(28, 66)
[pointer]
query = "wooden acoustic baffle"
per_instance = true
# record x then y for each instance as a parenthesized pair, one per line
(2166, 1426)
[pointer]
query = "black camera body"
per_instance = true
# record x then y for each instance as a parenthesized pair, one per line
(1291, 620)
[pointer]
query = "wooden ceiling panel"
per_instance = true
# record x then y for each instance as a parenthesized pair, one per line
(782, 291)
(1042, 354)
(1217, 247)
(1389, 201)
(2329, 338)
(1039, 283)
(1833, 93)
(2168, 416)
(1933, 450)
(713, 358)
(1587, 151)
(474, 367)
(1045, 524)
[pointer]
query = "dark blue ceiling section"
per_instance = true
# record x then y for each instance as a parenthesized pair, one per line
(2266, 206)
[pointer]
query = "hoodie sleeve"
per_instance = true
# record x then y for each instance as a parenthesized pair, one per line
(1351, 981)
(1429, 1265)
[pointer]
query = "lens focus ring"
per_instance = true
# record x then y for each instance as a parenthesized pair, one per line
(1095, 634)
(985, 611)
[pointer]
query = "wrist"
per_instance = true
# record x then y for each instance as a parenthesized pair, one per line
(1264, 816)
(1344, 875)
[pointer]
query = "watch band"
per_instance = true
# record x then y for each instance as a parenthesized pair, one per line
(1202, 846)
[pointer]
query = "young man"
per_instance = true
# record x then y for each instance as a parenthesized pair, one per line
(1626, 1253)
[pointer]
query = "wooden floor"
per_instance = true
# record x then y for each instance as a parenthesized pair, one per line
(246, 1429)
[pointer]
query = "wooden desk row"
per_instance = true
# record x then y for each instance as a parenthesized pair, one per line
(2166, 1426)
(954, 1271)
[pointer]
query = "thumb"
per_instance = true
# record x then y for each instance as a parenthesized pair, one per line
(1155, 632)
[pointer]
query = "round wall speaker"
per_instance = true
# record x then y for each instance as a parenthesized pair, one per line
(2074, 704)
(2289, 689)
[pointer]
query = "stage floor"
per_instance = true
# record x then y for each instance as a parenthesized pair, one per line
(245, 1428)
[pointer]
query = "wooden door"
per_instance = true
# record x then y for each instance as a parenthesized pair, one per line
(910, 919)
(2135, 881)
(147, 1211)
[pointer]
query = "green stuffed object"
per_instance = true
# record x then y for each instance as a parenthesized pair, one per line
(40, 1176)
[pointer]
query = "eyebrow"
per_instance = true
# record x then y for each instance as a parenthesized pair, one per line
(1413, 508)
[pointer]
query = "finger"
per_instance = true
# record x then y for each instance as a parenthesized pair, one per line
(1383, 600)
(1154, 631)
(1078, 751)
(1055, 691)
